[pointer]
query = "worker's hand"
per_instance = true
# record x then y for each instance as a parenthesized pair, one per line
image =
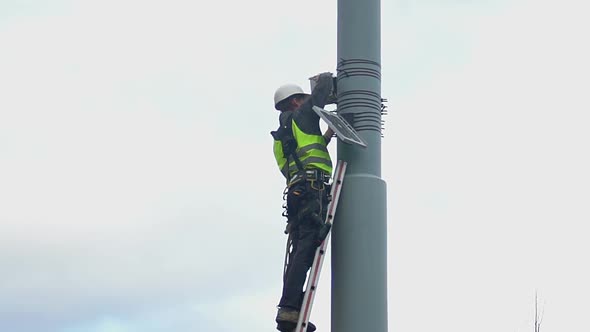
(328, 135)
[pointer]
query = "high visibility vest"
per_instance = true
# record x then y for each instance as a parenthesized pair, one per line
(311, 151)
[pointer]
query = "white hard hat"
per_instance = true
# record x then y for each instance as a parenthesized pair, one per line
(286, 91)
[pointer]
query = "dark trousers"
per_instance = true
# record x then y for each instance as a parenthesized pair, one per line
(306, 206)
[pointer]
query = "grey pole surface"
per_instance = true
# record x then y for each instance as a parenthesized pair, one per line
(359, 242)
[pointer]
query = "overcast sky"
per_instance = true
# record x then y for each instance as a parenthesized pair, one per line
(138, 190)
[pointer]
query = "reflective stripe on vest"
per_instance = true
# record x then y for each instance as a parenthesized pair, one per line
(311, 151)
(279, 156)
(282, 161)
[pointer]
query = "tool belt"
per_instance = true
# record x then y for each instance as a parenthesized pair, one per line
(312, 175)
(307, 192)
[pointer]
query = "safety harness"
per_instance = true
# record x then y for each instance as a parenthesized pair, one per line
(289, 144)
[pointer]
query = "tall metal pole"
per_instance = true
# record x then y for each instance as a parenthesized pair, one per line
(359, 242)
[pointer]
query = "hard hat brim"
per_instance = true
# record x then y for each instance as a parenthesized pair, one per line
(281, 101)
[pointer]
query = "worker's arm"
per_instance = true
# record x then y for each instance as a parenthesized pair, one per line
(320, 94)
(306, 118)
(322, 90)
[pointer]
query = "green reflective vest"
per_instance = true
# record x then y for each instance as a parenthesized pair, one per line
(311, 151)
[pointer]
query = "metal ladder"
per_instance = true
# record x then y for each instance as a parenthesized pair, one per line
(316, 267)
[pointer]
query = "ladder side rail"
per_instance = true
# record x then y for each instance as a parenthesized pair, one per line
(321, 250)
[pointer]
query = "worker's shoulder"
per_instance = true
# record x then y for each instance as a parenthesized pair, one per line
(305, 113)
(285, 118)
(307, 120)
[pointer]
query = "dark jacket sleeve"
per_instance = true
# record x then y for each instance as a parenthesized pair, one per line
(306, 118)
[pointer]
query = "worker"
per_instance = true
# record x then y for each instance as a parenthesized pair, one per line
(301, 153)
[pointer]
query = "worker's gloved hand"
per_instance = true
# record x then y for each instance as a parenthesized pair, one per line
(333, 97)
(321, 75)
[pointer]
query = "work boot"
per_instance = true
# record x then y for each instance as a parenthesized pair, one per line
(287, 315)
(287, 320)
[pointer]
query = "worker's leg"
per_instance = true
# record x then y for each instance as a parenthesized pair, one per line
(302, 257)
(295, 196)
